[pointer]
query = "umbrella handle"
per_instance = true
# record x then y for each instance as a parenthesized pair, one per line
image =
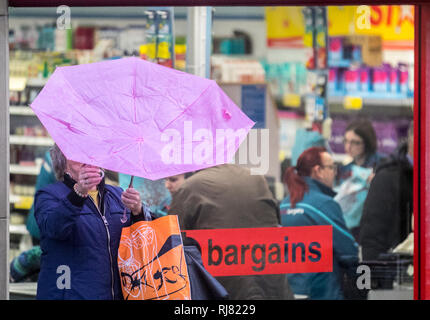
(124, 214)
(131, 182)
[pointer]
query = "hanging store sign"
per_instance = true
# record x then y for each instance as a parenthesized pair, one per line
(255, 251)
(394, 24)
(285, 26)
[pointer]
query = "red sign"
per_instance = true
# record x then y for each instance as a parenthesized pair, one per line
(253, 251)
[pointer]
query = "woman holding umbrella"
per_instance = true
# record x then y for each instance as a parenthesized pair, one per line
(80, 225)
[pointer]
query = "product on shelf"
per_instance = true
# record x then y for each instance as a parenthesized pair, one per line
(385, 81)
(365, 79)
(236, 70)
(165, 42)
(37, 50)
(180, 58)
(371, 48)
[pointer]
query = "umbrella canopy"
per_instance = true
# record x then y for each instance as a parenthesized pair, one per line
(139, 118)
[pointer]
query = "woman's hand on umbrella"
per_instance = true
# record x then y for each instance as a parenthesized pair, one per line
(131, 199)
(89, 178)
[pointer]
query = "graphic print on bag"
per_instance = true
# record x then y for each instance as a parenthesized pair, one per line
(152, 264)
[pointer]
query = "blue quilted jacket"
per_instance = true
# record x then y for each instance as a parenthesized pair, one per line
(79, 242)
(318, 208)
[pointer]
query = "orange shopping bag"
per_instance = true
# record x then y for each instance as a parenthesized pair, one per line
(151, 261)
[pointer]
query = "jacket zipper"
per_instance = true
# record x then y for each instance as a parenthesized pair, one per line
(108, 235)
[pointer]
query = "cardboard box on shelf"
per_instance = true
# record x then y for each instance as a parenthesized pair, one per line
(371, 48)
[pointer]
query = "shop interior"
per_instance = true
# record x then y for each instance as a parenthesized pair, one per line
(300, 72)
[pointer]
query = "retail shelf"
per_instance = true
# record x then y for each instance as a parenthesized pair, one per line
(18, 229)
(230, 13)
(370, 101)
(23, 290)
(36, 82)
(13, 198)
(32, 141)
(21, 111)
(27, 170)
(21, 202)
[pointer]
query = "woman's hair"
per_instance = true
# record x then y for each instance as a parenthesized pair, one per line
(59, 162)
(364, 129)
(293, 176)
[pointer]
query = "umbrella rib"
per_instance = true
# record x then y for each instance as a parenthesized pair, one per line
(190, 105)
(123, 148)
(134, 93)
(70, 86)
(65, 123)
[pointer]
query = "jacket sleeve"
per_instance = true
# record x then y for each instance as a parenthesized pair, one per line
(378, 217)
(345, 248)
(55, 217)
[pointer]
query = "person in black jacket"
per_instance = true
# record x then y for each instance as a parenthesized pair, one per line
(387, 213)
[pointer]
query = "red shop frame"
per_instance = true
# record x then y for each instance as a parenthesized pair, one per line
(421, 103)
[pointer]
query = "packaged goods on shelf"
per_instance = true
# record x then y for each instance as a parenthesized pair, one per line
(287, 81)
(95, 43)
(165, 42)
(371, 48)
(385, 81)
(359, 49)
(236, 70)
(180, 58)
(356, 67)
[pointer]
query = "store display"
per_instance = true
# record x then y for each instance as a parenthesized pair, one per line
(236, 70)
(151, 35)
(165, 42)
(315, 101)
(356, 67)
(287, 81)
(381, 82)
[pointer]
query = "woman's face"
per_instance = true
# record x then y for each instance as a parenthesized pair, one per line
(327, 170)
(354, 145)
(174, 183)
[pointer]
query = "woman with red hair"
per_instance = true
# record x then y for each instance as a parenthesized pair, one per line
(310, 202)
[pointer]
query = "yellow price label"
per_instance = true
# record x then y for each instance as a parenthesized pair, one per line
(143, 49)
(353, 103)
(291, 100)
(24, 203)
(151, 51)
(321, 39)
(308, 40)
(163, 50)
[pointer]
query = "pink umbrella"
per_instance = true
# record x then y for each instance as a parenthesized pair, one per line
(140, 118)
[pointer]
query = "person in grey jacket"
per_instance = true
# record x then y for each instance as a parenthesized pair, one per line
(228, 196)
